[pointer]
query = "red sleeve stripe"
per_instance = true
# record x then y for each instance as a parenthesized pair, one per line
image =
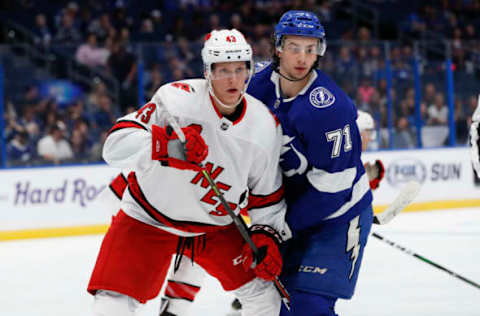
(186, 226)
(181, 290)
(259, 201)
(118, 185)
(126, 124)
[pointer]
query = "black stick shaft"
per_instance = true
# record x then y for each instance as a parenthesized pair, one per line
(242, 228)
(422, 258)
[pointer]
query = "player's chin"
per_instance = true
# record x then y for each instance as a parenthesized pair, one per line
(233, 96)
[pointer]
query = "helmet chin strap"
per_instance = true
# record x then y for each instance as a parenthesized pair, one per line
(231, 106)
(290, 79)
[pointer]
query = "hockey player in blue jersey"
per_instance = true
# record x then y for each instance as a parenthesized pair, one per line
(327, 189)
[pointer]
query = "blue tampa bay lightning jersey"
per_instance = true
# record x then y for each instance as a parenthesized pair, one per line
(324, 177)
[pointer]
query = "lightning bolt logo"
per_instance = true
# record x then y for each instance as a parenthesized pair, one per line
(353, 242)
(287, 145)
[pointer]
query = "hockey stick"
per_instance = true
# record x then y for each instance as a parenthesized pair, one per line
(405, 197)
(422, 258)
(237, 220)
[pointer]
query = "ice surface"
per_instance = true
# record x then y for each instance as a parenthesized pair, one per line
(48, 277)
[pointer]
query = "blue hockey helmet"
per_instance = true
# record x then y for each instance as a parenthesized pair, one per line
(300, 23)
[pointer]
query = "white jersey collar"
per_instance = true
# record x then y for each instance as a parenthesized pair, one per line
(222, 118)
(275, 78)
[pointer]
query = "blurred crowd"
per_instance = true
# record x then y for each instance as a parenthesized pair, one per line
(166, 36)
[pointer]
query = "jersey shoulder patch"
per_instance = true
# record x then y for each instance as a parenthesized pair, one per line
(183, 86)
(321, 97)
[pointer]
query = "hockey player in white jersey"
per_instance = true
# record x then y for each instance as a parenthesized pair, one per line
(475, 139)
(168, 207)
(182, 283)
(375, 170)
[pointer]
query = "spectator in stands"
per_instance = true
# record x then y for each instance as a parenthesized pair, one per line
(101, 27)
(50, 115)
(156, 80)
(429, 93)
(30, 98)
(365, 91)
(236, 23)
(20, 150)
(423, 113)
(261, 50)
(177, 68)
(99, 88)
(461, 122)
(43, 35)
(345, 65)
(104, 117)
(324, 12)
(362, 58)
(158, 26)
(67, 33)
(364, 35)
(97, 148)
(53, 147)
(147, 32)
(89, 54)
(120, 19)
(30, 123)
(11, 124)
(401, 66)
(414, 26)
(78, 119)
(470, 33)
(471, 106)
(123, 66)
(214, 22)
(438, 111)
(403, 135)
(124, 38)
(375, 105)
(80, 146)
(185, 51)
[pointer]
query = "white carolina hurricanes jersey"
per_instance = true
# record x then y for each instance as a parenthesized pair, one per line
(243, 160)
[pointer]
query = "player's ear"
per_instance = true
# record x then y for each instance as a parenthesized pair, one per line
(278, 52)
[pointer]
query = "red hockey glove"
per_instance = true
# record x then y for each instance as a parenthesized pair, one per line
(269, 260)
(167, 148)
(380, 172)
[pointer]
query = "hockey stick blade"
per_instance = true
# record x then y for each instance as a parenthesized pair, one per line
(408, 193)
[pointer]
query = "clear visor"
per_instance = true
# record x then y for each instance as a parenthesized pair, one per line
(295, 49)
(222, 72)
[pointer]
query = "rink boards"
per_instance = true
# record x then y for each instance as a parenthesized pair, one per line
(61, 201)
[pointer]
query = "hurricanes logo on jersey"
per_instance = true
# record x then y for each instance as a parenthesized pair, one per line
(210, 197)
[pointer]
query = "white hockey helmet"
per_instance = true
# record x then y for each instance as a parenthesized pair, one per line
(226, 46)
(365, 121)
